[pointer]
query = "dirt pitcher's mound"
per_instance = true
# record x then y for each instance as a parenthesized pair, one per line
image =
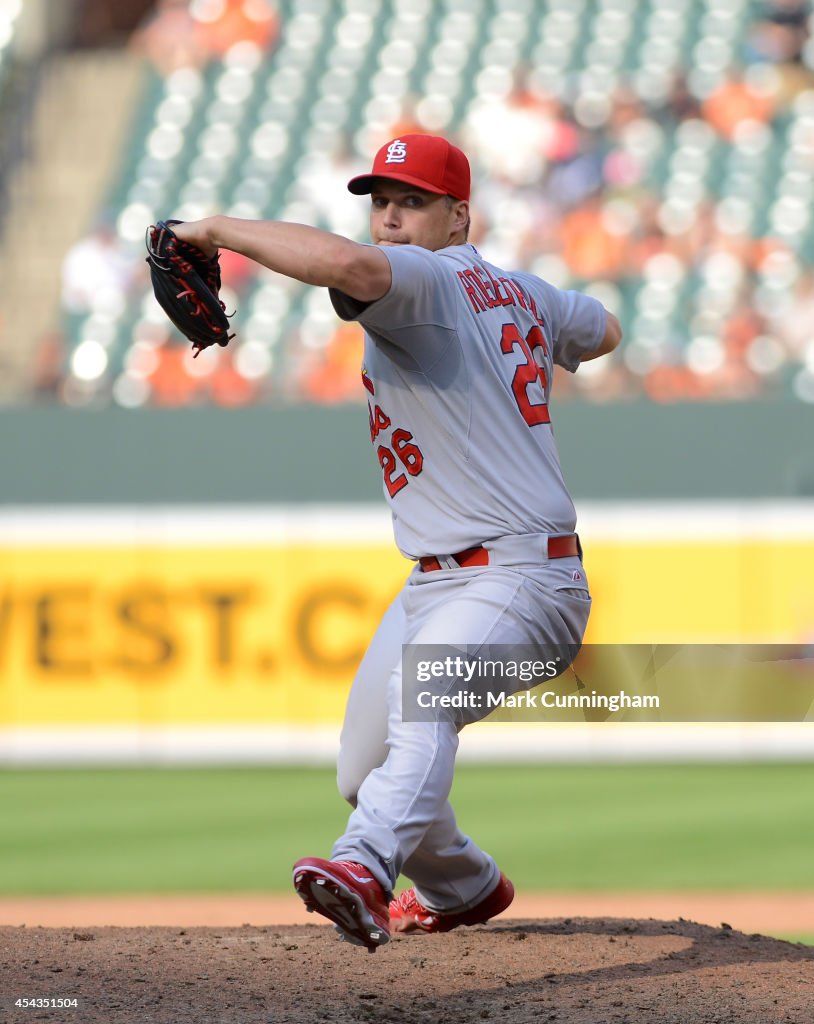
(575, 971)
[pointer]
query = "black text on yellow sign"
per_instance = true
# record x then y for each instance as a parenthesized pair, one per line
(145, 634)
(172, 636)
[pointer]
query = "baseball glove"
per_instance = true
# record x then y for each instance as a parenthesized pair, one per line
(186, 284)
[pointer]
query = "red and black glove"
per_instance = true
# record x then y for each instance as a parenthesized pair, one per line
(186, 284)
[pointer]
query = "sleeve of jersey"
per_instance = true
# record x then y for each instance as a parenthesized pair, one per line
(420, 294)
(579, 328)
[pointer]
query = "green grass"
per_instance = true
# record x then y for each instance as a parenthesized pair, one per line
(807, 940)
(592, 827)
(588, 827)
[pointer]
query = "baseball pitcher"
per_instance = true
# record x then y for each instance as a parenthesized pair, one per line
(457, 370)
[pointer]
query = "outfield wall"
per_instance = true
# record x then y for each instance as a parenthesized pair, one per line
(165, 626)
(619, 451)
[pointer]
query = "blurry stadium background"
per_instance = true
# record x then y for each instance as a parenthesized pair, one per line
(659, 154)
(194, 553)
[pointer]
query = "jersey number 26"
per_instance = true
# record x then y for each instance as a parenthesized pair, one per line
(409, 455)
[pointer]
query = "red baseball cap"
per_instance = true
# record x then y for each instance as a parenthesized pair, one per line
(426, 161)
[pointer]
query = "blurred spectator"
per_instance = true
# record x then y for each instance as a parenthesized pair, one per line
(49, 365)
(227, 387)
(734, 101)
(333, 375)
(591, 248)
(649, 238)
(188, 33)
(323, 184)
(740, 330)
(681, 104)
(236, 271)
(516, 137)
(778, 38)
(95, 24)
(626, 106)
(793, 321)
(780, 32)
(222, 23)
(574, 180)
(170, 381)
(169, 39)
(407, 123)
(98, 272)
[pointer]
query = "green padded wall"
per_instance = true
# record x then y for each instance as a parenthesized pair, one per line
(302, 453)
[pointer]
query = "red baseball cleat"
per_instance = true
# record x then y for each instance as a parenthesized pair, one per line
(408, 915)
(347, 894)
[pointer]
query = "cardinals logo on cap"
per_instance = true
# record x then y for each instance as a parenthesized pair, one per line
(428, 162)
(396, 152)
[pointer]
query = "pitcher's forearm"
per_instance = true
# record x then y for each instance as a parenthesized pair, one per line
(307, 254)
(298, 251)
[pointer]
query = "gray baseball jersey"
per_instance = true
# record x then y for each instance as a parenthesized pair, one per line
(458, 365)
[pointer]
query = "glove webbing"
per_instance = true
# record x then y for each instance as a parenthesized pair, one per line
(213, 281)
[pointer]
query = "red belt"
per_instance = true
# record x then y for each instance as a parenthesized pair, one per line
(558, 547)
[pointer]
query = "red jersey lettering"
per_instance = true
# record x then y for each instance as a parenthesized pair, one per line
(378, 421)
(472, 294)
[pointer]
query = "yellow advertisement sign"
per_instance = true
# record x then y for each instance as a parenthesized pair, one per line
(272, 633)
(733, 590)
(151, 635)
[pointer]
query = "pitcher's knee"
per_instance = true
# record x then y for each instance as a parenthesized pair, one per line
(348, 785)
